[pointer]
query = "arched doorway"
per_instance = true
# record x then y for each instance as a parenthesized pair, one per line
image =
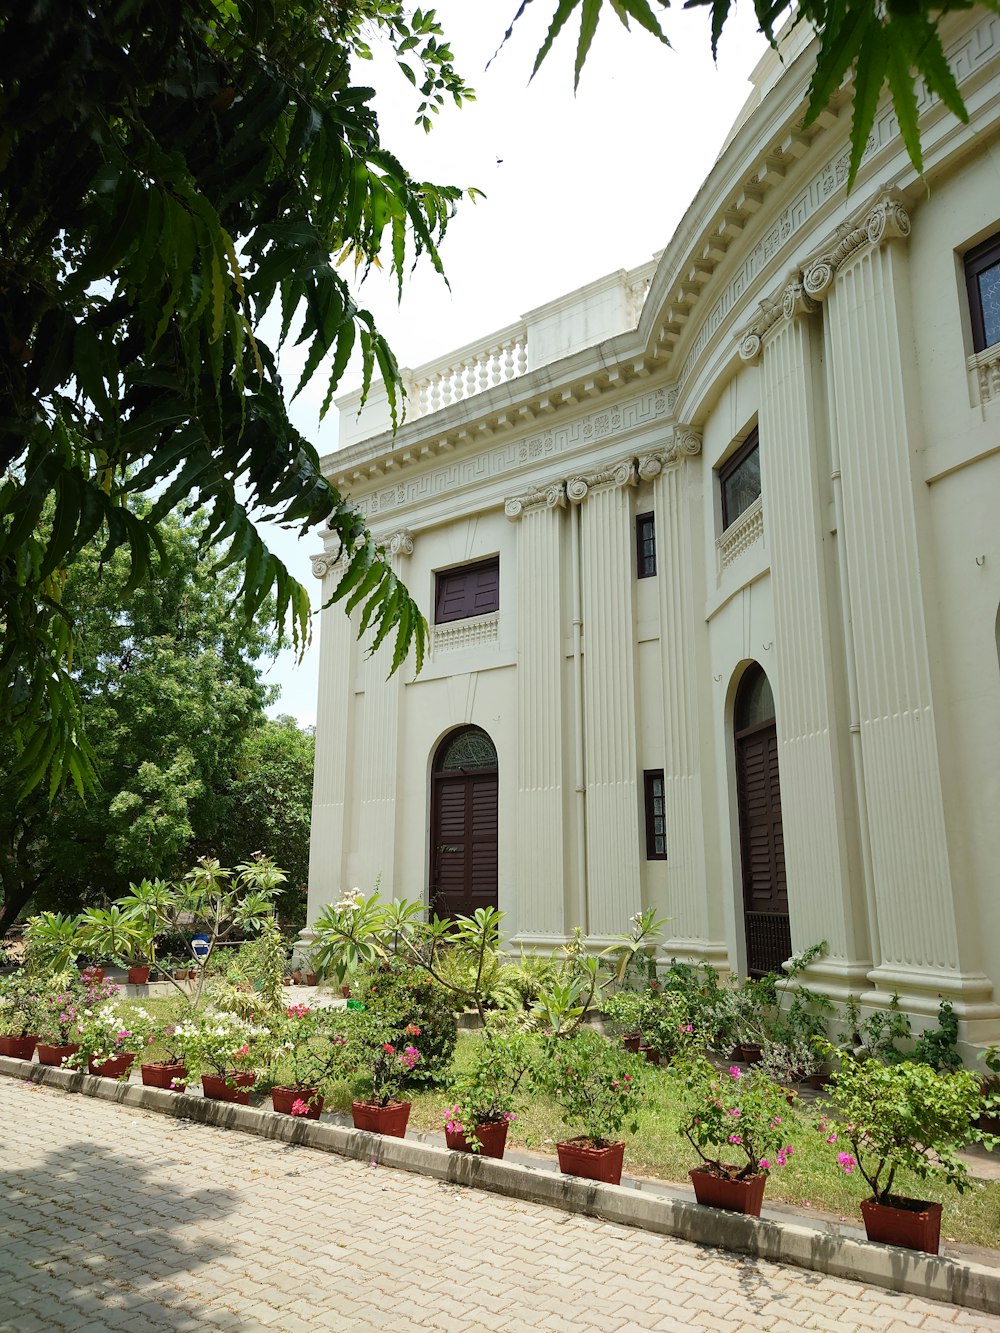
(463, 858)
(762, 850)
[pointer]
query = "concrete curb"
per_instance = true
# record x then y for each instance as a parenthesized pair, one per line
(935, 1277)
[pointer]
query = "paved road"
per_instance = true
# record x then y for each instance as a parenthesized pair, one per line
(118, 1219)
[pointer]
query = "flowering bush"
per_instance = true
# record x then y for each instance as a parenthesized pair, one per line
(904, 1116)
(57, 1013)
(403, 996)
(102, 1033)
(223, 1044)
(487, 1092)
(21, 996)
(596, 1083)
(735, 1112)
(665, 1023)
(386, 1059)
(306, 1049)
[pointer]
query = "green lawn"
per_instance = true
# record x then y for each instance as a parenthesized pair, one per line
(811, 1179)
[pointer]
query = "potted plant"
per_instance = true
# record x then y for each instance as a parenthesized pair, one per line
(597, 1086)
(120, 935)
(169, 1072)
(108, 1042)
(734, 1121)
(622, 1012)
(56, 1019)
(988, 1123)
(222, 1048)
(746, 1013)
(388, 1062)
(666, 1025)
(907, 1117)
(306, 1050)
(20, 995)
(484, 1099)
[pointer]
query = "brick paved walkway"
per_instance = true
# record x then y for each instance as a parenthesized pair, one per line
(118, 1219)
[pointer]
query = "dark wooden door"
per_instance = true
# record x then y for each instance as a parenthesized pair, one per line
(765, 891)
(463, 842)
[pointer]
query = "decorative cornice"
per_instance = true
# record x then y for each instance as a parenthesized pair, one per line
(686, 443)
(871, 226)
(552, 497)
(399, 543)
(619, 474)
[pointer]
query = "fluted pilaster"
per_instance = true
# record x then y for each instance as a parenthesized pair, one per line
(327, 849)
(611, 760)
(687, 890)
(539, 854)
(816, 782)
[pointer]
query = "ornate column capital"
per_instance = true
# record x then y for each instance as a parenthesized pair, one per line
(792, 300)
(879, 221)
(324, 562)
(686, 443)
(550, 497)
(618, 474)
(399, 543)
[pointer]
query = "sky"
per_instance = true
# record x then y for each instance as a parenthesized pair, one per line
(576, 186)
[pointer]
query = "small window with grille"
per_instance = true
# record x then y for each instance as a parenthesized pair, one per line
(982, 276)
(656, 815)
(645, 545)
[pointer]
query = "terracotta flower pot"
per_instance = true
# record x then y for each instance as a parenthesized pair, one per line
(55, 1055)
(218, 1089)
(579, 1157)
(96, 974)
(632, 1042)
(346, 992)
(113, 1068)
(312, 979)
(913, 1224)
(180, 974)
(162, 1074)
(492, 1136)
(192, 974)
(651, 1054)
(388, 1120)
(20, 1048)
(138, 976)
(283, 1099)
(297, 976)
(735, 1196)
(751, 1054)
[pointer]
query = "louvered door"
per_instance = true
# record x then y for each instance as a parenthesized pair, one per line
(765, 892)
(463, 842)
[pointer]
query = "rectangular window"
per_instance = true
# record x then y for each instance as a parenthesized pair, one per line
(739, 478)
(982, 275)
(645, 545)
(469, 590)
(656, 815)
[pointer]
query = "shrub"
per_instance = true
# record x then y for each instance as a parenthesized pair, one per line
(597, 1084)
(736, 1113)
(400, 996)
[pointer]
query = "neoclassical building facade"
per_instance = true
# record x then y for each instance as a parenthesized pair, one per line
(710, 555)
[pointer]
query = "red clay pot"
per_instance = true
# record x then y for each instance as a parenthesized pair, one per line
(579, 1157)
(113, 1068)
(96, 974)
(218, 1090)
(913, 1224)
(20, 1048)
(388, 1120)
(161, 1074)
(297, 976)
(346, 992)
(282, 1099)
(632, 1042)
(311, 979)
(138, 976)
(735, 1196)
(55, 1055)
(492, 1137)
(751, 1055)
(651, 1054)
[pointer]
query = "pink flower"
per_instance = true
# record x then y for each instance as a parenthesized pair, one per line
(627, 1078)
(388, 1048)
(765, 1165)
(242, 1052)
(735, 1138)
(733, 1110)
(831, 1138)
(847, 1161)
(299, 1107)
(735, 1071)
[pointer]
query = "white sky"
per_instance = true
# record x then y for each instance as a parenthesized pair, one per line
(576, 187)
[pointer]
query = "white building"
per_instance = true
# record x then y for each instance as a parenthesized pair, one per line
(710, 551)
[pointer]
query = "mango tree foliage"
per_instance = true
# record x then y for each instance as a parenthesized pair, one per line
(168, 173)
(881, 44)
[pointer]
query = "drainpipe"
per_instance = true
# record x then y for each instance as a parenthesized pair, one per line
(857, 754)
(579, 897)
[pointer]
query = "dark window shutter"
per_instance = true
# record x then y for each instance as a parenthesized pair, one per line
(470, 590)
(645, 545)
(739, 479)
(982, 276)
(656, 814)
